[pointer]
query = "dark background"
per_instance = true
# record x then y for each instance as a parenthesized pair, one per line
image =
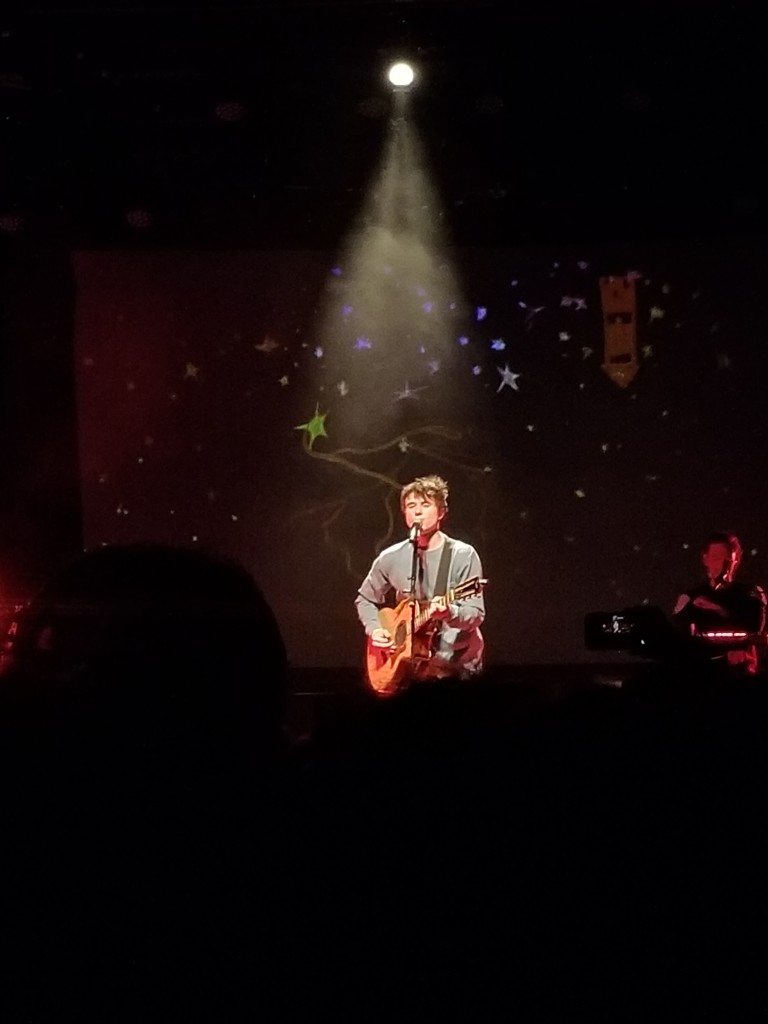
(177, 185)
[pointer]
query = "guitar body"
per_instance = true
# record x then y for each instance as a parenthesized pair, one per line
(388, 669)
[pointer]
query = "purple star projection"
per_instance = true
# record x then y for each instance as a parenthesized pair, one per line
(215, 411)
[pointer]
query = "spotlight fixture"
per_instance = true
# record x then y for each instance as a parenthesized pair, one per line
(401, 75)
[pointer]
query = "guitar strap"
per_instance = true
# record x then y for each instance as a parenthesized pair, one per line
(441, 583)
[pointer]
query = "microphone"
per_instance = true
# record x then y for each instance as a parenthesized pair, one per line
(415, 531)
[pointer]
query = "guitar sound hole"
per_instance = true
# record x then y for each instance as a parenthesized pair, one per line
(400, 634)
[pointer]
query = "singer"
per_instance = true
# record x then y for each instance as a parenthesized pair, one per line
(720, 604)
(426, 567)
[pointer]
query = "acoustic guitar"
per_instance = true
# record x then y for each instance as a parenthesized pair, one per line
(413, 633)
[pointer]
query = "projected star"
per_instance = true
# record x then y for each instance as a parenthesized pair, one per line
(407, 392)
(314, 427)
(191, 371)
(343, 388)
(268, 345)
(508, 379)
(530, 313)
(283, 381)
(655, 313)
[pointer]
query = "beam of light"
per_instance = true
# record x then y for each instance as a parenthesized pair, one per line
(392, 379)
(393, 307)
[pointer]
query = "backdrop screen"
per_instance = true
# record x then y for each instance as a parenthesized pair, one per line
(596, 413)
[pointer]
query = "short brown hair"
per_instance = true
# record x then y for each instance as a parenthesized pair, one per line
(432, 487)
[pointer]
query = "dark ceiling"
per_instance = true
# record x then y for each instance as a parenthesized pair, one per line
(261, 124)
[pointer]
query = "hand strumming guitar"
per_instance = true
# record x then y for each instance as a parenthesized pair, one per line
(381, 638)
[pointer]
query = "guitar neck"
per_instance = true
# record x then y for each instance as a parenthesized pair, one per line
(421, 616)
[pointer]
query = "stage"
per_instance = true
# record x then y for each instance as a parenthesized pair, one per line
(323, 695)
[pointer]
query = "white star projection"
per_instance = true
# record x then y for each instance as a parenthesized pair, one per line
(530, 313)
(407, 392)
(508, 378)
(191, 371)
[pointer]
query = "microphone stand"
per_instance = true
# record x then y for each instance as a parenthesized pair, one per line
(413, 537)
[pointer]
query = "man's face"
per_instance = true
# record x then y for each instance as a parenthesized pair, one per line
(716, 558)
(422, 510)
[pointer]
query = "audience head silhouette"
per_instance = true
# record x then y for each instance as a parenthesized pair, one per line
(153, 631)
